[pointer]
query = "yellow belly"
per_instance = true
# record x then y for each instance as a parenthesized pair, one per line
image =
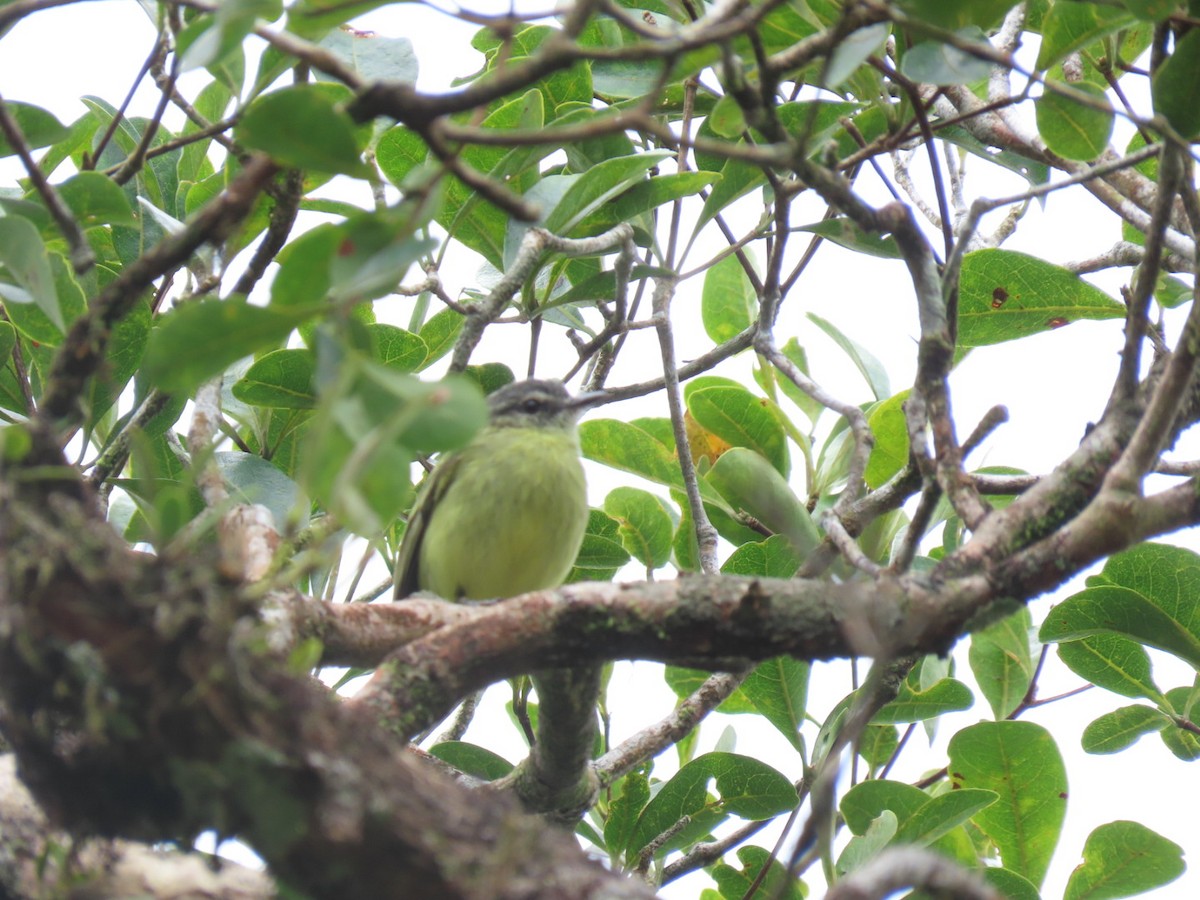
(511, 521)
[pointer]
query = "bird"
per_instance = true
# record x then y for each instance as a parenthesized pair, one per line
(505, 514)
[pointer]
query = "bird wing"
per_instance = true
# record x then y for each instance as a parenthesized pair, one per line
(405, 577)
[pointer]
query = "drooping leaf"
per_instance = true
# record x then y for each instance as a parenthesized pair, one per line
(750, 484)
(889, 454)
(866, 363)
(1002, 663)
(1020, 762)
(728, 305)
(26, 276)
(1174, 86)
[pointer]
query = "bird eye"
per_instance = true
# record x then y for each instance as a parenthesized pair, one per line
(531, 404)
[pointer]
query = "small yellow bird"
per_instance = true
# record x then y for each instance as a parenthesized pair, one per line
(506, 514)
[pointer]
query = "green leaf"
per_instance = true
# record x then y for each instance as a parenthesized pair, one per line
(685, 682)
(915, 704)
(737, 179)
(490, 376)
(193, 343)
(860, 849)
(370, 423)
(479, 762)
(1002, 663)
(373, 254)
(749, 880)
(398, 151)
(1020, 762)
(726, 118)
(252, 479)
(123, 357)
(866, 363)
(773, 558)
(953, 16)
(395, 347)
(890, 428)
(439, 334)
(634, 205)
(8, 339)
(646, 527)
(933, 62)
(1183, 743)
(34, 324)
(629, 448)
(1072, 129)
(629, 797)
(38, 127)
(1165, 620)
(810, 407)
(282, 379)
(95, 199)
(778, 690)
(852, 51)
(601, 555)
(372, 56)
(303, 278)
(845, 233)
(208, 40)
(1112, 662)
(864, 802)
(942, 814)
(752, 485)
(27, 276)
(599, 185)
(313, 18)
(1068, 27)
(1121, 728)
(741, 419)
(728, 305)
(1121, 859)
(1009, 884)
(1036, 173)
(1005, 295)
(1151, 10)
(1174, 86)
(745, 787)
(303, 126)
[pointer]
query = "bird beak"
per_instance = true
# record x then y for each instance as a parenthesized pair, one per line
(583, 402)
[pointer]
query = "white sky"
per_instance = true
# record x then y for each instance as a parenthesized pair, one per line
(1053, 385)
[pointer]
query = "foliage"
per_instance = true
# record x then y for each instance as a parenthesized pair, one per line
(601, 172)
